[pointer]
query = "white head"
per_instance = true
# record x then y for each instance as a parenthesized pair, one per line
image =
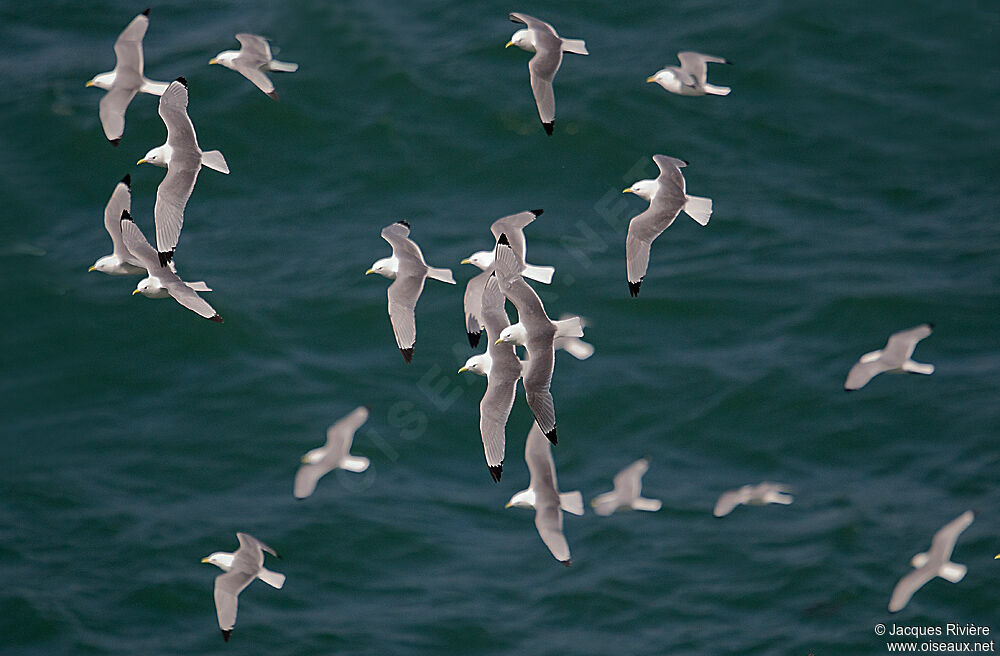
(523, 40)
(482, 259)
(645, 189)
(478, 364)
(151, 288)
(221, 559)
(102, 81)
(106, 264)
(516, 334)
(387, 267)
(225, 58)
(523, 499)
(159, 156)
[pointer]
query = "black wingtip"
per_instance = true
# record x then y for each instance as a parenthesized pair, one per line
(115, 142)
(567, 562)
(183, 81)
(552, 436)
(404, 222)
(474, 339)
(273, 95)
(407, 354)
(166, 257)
(127, 181)
(226, 633)
(633, 288)
(686, 163)
(145, 12)
(537, 212)
(216, 318)
(496, 472)
(548, 128)
(367, 407)
(931, 324)
(126, 216)
(503, 239)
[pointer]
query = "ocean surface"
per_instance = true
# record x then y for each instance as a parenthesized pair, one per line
(854, 171)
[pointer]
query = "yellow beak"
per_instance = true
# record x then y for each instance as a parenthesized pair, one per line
(499, 341)
(509, 44)
(463, 369)
(91, 269)
(369, 271)
(627, 190)
(465, 261)
(507, 505)
(213, 60)
(204, 560)
(997, 557)
(141, 161)
(135, 291)
(89, 83)
(651, 78)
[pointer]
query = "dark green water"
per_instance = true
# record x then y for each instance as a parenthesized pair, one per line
(854, 171)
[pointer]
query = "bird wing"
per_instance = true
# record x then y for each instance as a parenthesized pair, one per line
(696, 64)
(403, 294)
(308, 476)
(404, 248)
(943, 542)
(730, 499)
(628, 482)
(171, 198)
(120, 201)
(228, 586)
(186, 296)
(254, 48)
(542, 469)
(907, 586)
(128, 49)
(340, 435)
(180, 131)
(472, 303)
(112, 110)
(863, 371)
(901, 344)
(137, 245)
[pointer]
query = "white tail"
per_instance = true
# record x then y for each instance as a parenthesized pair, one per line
(153, 88)
(571, 502)
(576, 46)
(918, 368)
(214, 160)
(283, 67)
(699, 209)
(713, 90)
(354, 463)
(578, 348)
(273, 579)
(444, 275)
(642, 503)
(953, 572)
(542, 274)
(199, 286)
(572, 327)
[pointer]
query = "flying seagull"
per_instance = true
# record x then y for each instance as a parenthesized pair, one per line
(241, 568)
(125, 80)
(667, 196)
(336, 453)
(936, 562)
(121, 262)
(753, 495)
(627, 492)
(894, 358)
(540, 38)
(688, 79)
(407, 269)
(252, 60)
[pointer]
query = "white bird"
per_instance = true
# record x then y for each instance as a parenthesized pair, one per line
(408, 270)
(688, 79)
(125, 80)
(753, 495)
(936, 562)
(121, 262)
(667, 196)
(252, 59)
(540, 38)
(569, 330)
(336, 453)
(183, 159)
(539, 339)
(894, 358)
(543, 495)
(627, 492)
(162, 280)
(502, 369)
(241, 568)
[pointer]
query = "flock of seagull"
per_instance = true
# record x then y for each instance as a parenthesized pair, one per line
(503, 273)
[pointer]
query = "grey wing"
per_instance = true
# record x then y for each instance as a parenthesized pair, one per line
(670, 176)
(492, 310)
(548, 518)
(696, 64)
(252, 72)
(533, 23)
(901, 344)
(628, 482)
(605, 504)
(542, 69)
(907, 586)
(729, 500)
(862, 372)
(537, 380)
(228, 586)
(180, 130)
(189, 298)
(307, 477)
(403, 295)
(513, 226)
(548, 521)
(254, 548)
(137, 245)
(120, 201)
(473, 302)
(642, 230)
(112, 110)
(128, 48)
(943, 542)
(254, 47)
(171, 198)
(398, 236)
(494, 410)
(340, 435)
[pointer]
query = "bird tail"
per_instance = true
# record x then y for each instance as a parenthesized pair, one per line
(282, 67)
(153, 88)
(571, 502)
(199, 286)
(542, 274)
(578, 348)
(273, 579)
(355, 464)
(713, 90)
(642, 503)
(953, 572)
(444, 275)
(698, 208)
(576, 46)
(214, 160)
(918, 367)
(572, 327)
